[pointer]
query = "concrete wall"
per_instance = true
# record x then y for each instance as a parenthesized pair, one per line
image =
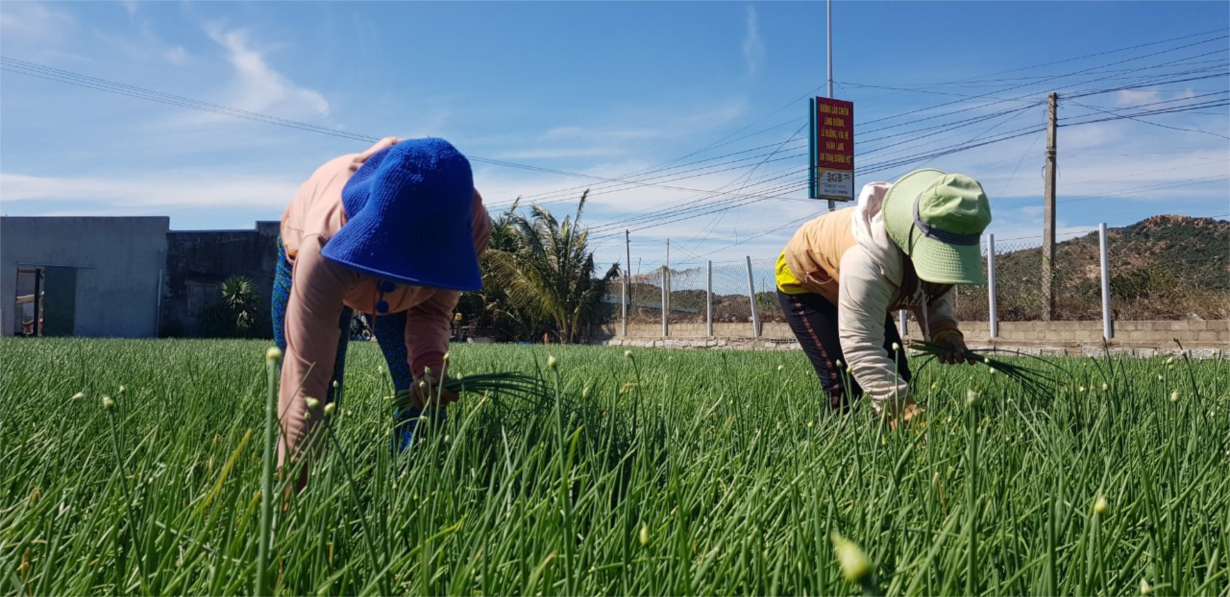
(1150, 334)
(117, 263)
(199, 261)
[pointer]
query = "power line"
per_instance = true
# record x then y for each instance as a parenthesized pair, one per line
(719, 143)
(1161, 185)
(1100, 67)
(61, 76)
(1138, 119)
(778, 183)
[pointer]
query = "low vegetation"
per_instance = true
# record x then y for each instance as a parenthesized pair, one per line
(136, 467)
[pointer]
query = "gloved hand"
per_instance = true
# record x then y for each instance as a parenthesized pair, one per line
(900, 413)
(954, 340)
(384, 143)
(427, 389)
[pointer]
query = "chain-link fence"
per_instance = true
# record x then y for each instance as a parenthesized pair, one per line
(722, 291)
(1143, 286)
(1019, 286)
(1157, 283)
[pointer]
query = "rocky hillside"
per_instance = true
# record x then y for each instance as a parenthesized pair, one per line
(1162, 267)
(1194, 251)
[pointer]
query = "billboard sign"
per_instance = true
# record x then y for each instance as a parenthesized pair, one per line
(832, 149)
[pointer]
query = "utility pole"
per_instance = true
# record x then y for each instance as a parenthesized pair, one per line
(832, 204)
(1048, 212)
(666, 302)
(627, 280)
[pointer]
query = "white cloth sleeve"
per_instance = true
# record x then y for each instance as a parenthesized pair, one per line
(864, 298)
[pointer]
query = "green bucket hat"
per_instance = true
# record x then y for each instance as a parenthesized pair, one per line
(937, 219)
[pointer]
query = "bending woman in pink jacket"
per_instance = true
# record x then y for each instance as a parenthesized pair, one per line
(843, 274)
(394, 232)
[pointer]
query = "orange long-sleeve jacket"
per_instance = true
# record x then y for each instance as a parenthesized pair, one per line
(320, 288)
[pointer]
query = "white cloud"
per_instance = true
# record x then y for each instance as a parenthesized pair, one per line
(616, 140)
(718, 114)
(1134, 97)
(33, 20)
(1022, 228)
(258, 87)
(164, 190)
(540, 153)
(576, 133)
(175, 55)
(753, 48)
(146, 46)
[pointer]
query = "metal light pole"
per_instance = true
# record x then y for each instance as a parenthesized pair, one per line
(829, 22)
(992, 302)
(1108, 322)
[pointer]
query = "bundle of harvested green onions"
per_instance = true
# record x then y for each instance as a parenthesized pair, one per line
(525, 388)
(1033, 379)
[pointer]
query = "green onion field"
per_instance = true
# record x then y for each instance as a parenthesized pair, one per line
(135, 467)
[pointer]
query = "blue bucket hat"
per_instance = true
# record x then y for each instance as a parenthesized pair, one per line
(409, 218)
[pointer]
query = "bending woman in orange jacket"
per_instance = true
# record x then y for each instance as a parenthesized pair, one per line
(903, 246)
(394, 232)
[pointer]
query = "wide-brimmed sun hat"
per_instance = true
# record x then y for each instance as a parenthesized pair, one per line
(937, 219)
(409, 217)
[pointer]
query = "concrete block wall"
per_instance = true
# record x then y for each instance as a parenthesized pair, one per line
(1156, 335)
(207, 258)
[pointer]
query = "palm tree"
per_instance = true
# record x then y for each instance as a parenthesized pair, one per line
(490, 309)
(545, 268)
(238, 314)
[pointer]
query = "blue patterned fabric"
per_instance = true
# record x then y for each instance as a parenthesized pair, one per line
(280, 297)
(390, 333)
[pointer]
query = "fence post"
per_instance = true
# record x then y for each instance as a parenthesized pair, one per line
(668, 293)
(627, 279)
(623, 306)
(709, 298)
(665, 307)
(751, 293)
(993, 312)
(1108, 324)
(902, 327)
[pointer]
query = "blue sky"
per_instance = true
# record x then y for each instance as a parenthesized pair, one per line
(686, 120)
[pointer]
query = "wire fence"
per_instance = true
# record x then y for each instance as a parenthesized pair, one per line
(722, 293)
(1141, 286)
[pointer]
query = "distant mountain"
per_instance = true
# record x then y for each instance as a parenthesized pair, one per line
(1194, 250)
(1162, 261)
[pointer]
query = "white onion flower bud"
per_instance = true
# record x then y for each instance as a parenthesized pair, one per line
(854, 563)
(1100, 506)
